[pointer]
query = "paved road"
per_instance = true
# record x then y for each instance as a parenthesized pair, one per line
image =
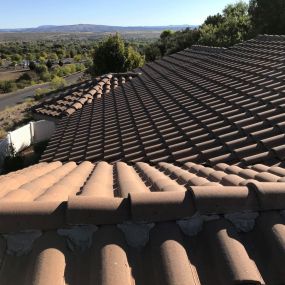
(11, 99)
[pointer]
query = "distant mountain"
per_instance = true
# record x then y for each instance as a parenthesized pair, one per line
(95, 28)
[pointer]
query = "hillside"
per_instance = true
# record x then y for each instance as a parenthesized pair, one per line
(94, 28)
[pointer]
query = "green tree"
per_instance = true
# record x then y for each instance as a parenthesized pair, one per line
(30, 56)
(53, 57)
(45, 76)
(166, 34)
(43, 55)
(32, 65)
(133, 59)
(16, 57)
(41, 68)
(77, 58)
(232, 28)
(152, 52)
(268, 16)
(112, 55)
(8, 86)
(58, 82)
(42, 60)
(49, 64)
(214, 20)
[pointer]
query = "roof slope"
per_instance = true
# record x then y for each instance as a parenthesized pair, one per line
(76, 97)
(195, 105)
(160, 224)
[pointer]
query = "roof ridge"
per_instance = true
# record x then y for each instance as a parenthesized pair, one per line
(207, 47)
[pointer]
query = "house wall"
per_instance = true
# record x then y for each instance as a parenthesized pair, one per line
(21, 138)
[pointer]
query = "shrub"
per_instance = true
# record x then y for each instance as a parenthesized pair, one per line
(58, 82)
(23, 83)
(46, 77)
(13, 162)
(32, 65)
(41, 92)
(24, 77)
(41, 68)
(8, 86)
(79, 67)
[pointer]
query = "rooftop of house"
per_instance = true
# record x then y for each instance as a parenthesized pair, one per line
(193, 205)
(206, 105)
(74, 98)
(142, 224)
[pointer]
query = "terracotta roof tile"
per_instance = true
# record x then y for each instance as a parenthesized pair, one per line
(206, 105)
(200, 199)
(75, 97)
(148, 219)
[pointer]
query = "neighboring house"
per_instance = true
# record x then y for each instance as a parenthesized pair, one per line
(213, 214)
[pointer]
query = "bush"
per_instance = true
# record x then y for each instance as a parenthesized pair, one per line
(23, 83)
(49, 64)
(8, 86)
(79, 67)
(24, 77)
(46, 77)
(13, 162)
(40, 93)
(41, 68)
(77, 57)
(152, 52)
(32, 65)
(58, 82)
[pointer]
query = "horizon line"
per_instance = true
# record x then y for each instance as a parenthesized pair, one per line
(123, 26)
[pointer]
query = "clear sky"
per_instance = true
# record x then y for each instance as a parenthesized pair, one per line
(33, 13)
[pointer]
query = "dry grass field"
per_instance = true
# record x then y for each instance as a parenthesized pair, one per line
(15, 116)
(11, 74)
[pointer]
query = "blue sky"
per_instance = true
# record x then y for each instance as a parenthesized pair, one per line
(32, 13)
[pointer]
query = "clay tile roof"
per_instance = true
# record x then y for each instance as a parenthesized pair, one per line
(141, 224)
(75, 95)
(206, 105)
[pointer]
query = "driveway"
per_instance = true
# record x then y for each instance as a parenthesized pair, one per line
(13, 98)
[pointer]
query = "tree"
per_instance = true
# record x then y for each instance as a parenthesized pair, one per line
(232, 28)
(58, 82)
(16, 58)
(30, 57)
(32, 65)
(214, 20)
(43, 55)
(53, 57)
(41, 68)
(8, 86)
(49, 64)
(24, 77)
(112, 55)
(268, 17)
(77, 58)
(45, 76)
(152, 52)
(133, 59)
(166, 34)
(42, 60)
